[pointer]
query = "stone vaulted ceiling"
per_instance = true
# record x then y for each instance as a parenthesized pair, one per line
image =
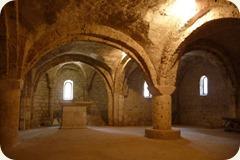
(89, 51)
(148, 31)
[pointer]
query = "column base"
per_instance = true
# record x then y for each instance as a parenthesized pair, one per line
(162, 134)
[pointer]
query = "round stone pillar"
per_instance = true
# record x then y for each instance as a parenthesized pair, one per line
(9, 112)
(162, 116)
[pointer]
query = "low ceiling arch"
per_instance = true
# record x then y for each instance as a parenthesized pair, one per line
(39, 70)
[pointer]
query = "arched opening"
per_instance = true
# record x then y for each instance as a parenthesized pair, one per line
(68, 90)
(204, 93)
(203, 86)
(146, 92)
(96, 89)
(71, 81)
(137, 109)
(48, 43)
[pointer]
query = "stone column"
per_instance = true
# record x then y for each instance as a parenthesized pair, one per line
(110, 110)
(9, 112)
(118, 109)
(115, 109)
(162, 116)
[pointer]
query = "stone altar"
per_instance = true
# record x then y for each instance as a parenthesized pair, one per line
(74, 114)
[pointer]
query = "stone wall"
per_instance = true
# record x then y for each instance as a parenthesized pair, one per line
(67, 72)
(87, 85)
(137, 109)
(208, 111)
(98, 93)
(40, 109)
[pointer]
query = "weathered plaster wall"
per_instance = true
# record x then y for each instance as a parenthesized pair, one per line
(208, 111)
(137, 109)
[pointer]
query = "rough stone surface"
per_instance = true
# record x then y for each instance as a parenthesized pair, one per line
(74, 115)
(38, 35)
(162, 134)
(124, 143)
(97, 92)
(48, 96)
(41, 105)
(9, 111)
(137, 109)
(192, 109)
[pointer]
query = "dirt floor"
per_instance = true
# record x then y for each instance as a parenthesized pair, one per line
(123, 143)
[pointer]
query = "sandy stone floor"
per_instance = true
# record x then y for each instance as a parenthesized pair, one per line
(123, 143)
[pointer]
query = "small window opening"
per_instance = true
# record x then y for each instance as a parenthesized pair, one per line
(203, 86)
(146, 92)
(68, 90)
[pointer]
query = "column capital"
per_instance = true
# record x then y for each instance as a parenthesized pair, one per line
(166, 90)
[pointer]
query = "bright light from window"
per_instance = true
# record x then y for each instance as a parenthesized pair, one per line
(183, 9)
(146, 92)
(68, 90)
(203, 86)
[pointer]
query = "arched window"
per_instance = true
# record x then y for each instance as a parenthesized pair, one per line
(146, 92)
(203, 86)
(68, 90)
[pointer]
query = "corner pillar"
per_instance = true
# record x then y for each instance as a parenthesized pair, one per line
(162, 116)
(9, 112)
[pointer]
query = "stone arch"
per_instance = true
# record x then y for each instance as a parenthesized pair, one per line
(96, 33)
(175, 49)
(179, 38)
(186, 72)
(69, 66)
(97, 70)
(9, 13)
(198, 40)
(217, 51)
(211, 52)
(102, 69)
(98, 66)
(127, 63)
(128, 68)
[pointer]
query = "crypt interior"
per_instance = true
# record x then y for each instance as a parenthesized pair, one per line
(120, 79)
